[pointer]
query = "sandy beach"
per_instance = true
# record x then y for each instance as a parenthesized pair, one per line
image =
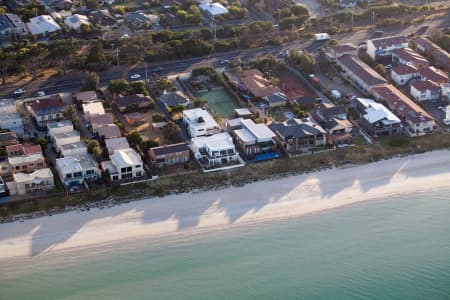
(213, 210)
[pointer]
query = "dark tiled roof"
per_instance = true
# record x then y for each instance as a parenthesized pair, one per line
(166, 149)
(403, 70)
(296, 128)
(172, 99)
(409, 55)
(424, 85)
(361, 70)
(276, 98)
(124, 101)
(434, 75)
(389, 41)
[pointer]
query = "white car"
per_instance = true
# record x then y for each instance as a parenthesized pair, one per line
(225, 62)
(40, 93)
(135, 76)
(19, 91)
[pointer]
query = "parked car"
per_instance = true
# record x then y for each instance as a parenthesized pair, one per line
(135, 76)
(225, 62)
(19, 92)
(40, 93)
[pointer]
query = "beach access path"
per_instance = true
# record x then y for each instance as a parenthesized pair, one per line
(192, 213)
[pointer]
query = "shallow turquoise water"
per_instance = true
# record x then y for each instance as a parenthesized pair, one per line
(396, 248)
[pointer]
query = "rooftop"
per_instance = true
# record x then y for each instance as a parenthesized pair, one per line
(343, 48)
(47, 106)
(104, 119)
(172, 99)
(403, 70)
(386, 42)
(199, 117)
(411, 56)
(401, 104)
(361, 70)
(254, 81)
(125, 158)
(116, 144)
(60, 124)
(37, 177)
(424, 85)
(124, 101)
(213, 9)
(297, 128)
(87, 96)
(433, 74)
(376, 112)
(167, 149)
(109, 131)
(71, 164)
(42, 25)
(214, 142)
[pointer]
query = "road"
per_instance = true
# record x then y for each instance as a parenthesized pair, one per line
(73, 81)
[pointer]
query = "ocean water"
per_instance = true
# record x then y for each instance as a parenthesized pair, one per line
(397, 248)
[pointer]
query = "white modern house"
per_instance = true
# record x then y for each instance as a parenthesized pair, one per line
(445, 91)
(384, 46)
(43, 25)
(199, 122)
(39, 180)
(91, 109)
(74, 149)
(76, 170)
(64, 138)
(124, 164)
(214, 151)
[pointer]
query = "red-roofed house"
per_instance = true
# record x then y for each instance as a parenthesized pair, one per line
(407, 56)
(425, 90)
(45, 110)
(418, 121)
(254, 82)
(433, 74)
(403, 73)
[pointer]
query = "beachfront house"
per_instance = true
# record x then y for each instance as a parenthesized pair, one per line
(377, 120)
(299, 135)
(125, 164)
(28, 183)
(215, 151)
(114, 144)
(254, 141)
(333, 118)
(199, 122)
(169, 154)
(77, 170)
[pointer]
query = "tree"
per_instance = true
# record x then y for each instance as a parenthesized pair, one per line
(146, 145)
(91, 81)
(119, 86)
(381, 70)
(91, 145)
(134, 138)
(85, 28)
(138, 87)
(62, 51)
(171, 131)
(98, 153)
(96, 59)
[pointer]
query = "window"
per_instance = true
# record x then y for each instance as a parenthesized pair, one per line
(137, 166)
(123, 170)
(77, 174)
(115, 177)
(68, 176)
(129, 169)
(138, 174)
(89, 172)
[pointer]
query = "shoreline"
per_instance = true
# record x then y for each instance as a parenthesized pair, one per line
(205, 211)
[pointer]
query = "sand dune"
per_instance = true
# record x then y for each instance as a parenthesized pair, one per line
(196, 212)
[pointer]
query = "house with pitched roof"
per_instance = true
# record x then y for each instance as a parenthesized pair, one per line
(43, 25)
(75, 22)
(339, 50)
(436, 54)
(173, 99)
(402, 74)
(25, 158)
(169, 154)
(12, 27)
(376, 119)
(46, 110)
(333, 118)
(380, 47)
(359, 72)
(407, 56)
(98, 121)
(434, 75)
(416, 120)
(299, 135)
(425, 90)
(254, 83)
(139, 100)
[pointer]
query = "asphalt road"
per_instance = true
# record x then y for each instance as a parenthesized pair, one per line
(73, 81)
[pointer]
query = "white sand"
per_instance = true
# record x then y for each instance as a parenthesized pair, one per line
(197, 212)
